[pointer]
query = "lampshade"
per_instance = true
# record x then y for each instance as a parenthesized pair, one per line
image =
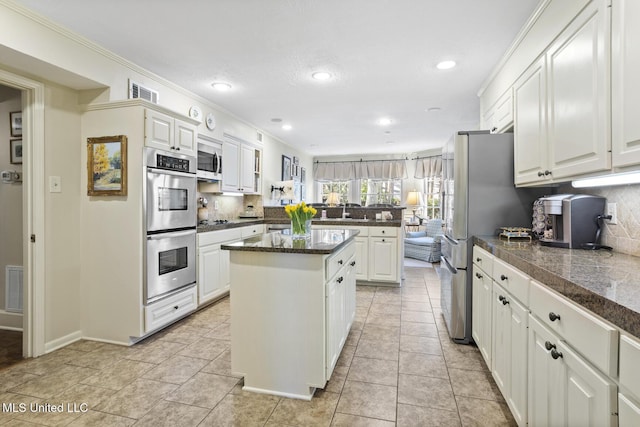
(333, 199)
(414, 198)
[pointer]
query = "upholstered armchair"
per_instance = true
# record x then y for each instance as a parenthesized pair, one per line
(424, 245)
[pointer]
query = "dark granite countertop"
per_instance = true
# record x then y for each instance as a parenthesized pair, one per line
(606, 283)
(316, 221)
(322, 242)
(231, 224)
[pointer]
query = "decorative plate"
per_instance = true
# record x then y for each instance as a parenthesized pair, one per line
(210, 121)
(195, 113)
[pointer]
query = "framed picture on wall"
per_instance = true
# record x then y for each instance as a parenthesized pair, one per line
(15, 145)
(107, 166)
(15, 118)
(286, 168)
(303, 175)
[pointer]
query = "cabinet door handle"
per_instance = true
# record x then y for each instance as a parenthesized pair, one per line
(503, 277)
(478, 259)
(540, 173)
(479, 276)
(340, 262)
(339, 279)
(553, 317)
(547, 172)
(556, 354)
(549, 346)
(177, 148)
(352, 263)
(175, 307)
(383, 240)
(382, 231)
(505, 301)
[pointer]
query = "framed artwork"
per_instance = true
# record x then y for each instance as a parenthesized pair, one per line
(286, 168)
(303, 175)
(15, 145)
(107, 166)
(15, 119)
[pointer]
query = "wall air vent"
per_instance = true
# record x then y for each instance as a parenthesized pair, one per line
(138, 91)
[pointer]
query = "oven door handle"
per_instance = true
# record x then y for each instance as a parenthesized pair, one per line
(161, 236)
(169, 172)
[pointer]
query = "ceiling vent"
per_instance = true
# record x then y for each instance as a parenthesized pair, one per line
(138, 91)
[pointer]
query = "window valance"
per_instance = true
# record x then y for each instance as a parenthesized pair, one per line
(428, 167)
(360, 169)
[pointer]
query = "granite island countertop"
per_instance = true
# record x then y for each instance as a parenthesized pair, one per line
(321, 242)
(235, 223)
(606, 283)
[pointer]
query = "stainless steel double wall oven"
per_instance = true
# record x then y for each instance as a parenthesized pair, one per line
(170, 206)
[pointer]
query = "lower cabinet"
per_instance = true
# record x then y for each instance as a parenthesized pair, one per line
(170, 309)
(564, 389)
(509, 363)
(481, 313)
(383, 259)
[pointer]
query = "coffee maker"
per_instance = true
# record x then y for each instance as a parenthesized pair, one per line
(573, 220)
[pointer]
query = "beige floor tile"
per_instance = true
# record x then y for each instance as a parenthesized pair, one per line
(346, 356)
(136, 399)
(49, 362)
(317, 412)
(118, 375)
(419, 329)
(176, 370)
(375, 371)
(427, 365)
(55, 382)
(338, 377)
(221, 365)
(92, 396)
(10, 378)
(106, 355)
(204, 390)
(368, 400)
(353, 337)
(251, 409)
(417, 344)
(206, 348)
(389, 319)
(478, 384)
(389, 308)
(413, 416)
(85, 345)
(186, 334)
(387, 298)
(94, 418)
(417, 316)
(416, 298)
(460, 359)
(374, 349)
(426, 391)
(346, 420)
(381, 332)
(222, 332)
(416, 306)
(155, 352)
(481, 413)
(173, 414)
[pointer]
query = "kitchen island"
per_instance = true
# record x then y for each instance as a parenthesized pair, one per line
(292, 306)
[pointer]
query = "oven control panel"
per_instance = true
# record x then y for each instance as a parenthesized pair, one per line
(172, 163)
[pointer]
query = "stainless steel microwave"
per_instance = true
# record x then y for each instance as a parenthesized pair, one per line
(209, 161)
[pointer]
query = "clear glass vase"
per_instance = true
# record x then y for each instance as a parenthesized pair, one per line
(300, 229)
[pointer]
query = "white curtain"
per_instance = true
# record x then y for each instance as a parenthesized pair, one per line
(378, 169)
(429, 167)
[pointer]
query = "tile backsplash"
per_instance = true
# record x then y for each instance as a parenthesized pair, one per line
(624, 237)
(230, 207)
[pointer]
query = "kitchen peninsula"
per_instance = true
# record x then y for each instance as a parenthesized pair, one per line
(292, 308)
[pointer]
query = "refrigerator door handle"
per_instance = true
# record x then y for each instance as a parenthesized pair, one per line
(452, 241)
(449, 267)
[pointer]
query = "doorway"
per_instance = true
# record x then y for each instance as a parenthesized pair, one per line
(26, 97)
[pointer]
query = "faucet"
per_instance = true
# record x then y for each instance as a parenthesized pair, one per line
(344, 210)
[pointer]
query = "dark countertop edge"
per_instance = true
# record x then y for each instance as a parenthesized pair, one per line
(613, 312)
(315, 221)
(305, 251)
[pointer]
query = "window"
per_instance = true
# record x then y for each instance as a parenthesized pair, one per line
(432, 197)
(365, 192)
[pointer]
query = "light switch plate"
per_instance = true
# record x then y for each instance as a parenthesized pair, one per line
(55, 184)
(612, 210)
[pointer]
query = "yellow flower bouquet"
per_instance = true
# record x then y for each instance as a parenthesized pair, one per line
(300, 215)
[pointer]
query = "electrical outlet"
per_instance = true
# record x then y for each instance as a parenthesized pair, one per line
(55, 184)
(216, 206)
(612, 210)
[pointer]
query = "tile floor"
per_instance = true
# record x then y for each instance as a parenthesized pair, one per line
(398, 367)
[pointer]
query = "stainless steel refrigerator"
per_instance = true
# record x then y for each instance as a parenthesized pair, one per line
(478, 197)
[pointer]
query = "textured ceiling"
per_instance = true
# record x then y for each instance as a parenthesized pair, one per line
(382, 54)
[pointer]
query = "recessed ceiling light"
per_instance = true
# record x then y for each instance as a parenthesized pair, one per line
(276, 120)
(384, 121)
(287, 127)
(433, 109)
(221, 86)
(321, 75)
(445, 65)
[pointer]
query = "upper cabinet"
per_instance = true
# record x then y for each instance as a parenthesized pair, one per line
(241, 166)
(499, 117)
(168, 133)
(625, 83)
(561, 104)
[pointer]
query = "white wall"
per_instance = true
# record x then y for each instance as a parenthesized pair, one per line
(10, 205)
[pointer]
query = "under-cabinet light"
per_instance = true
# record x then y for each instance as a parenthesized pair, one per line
(608, 180)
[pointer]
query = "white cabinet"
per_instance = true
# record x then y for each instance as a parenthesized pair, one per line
(499, 117)
(530, 125)
(629, 395)
(509, 363)
(561, 113)
(170, 309)
(578, 94)
(241, 166)
(383, 254)
(168, 133)
(481, 306)
(362, 255)
(564, 389)
(625, 96)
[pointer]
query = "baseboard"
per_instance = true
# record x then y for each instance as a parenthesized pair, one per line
(10, 321)
(62, 341)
